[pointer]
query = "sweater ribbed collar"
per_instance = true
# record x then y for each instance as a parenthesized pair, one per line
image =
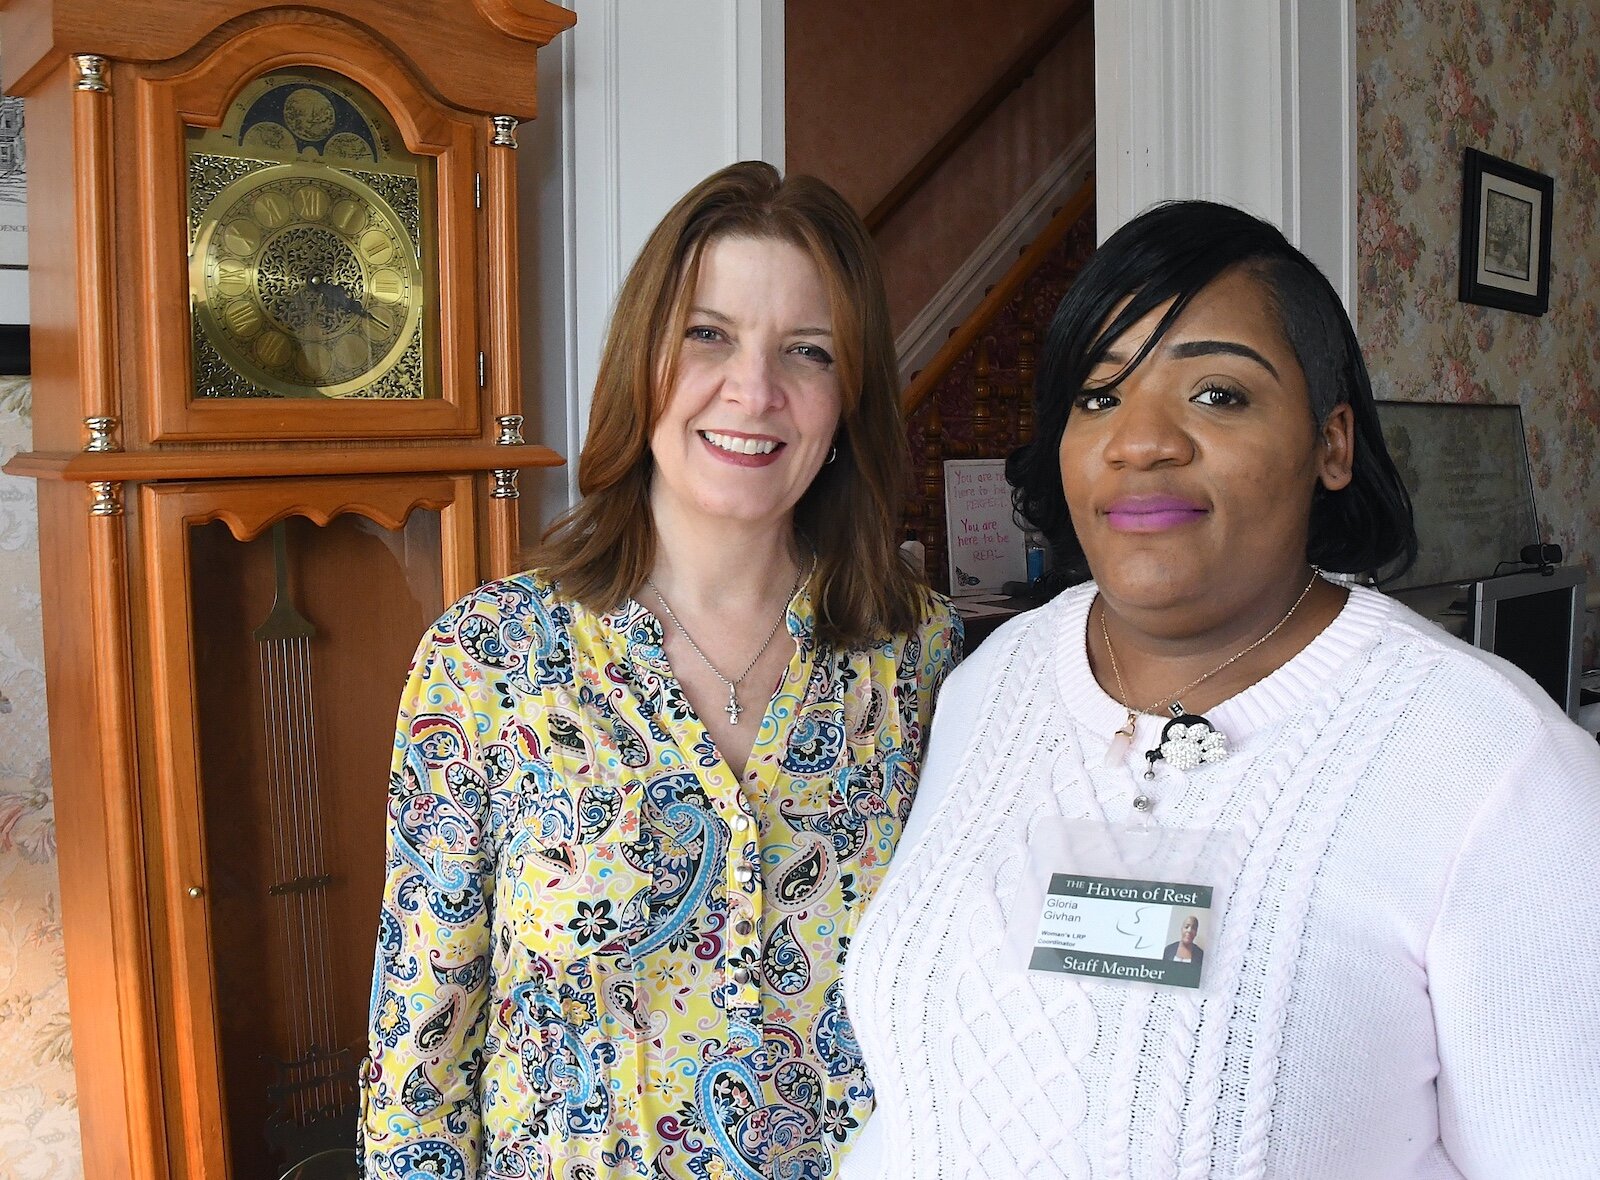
(1263, 704)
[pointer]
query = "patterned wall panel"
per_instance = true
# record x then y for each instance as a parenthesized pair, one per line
(38, 1097)
(1517, 79)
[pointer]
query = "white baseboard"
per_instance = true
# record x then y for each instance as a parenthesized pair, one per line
(987, 264)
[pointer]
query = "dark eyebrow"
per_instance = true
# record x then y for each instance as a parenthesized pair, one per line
(1188, 349)
(711, 314)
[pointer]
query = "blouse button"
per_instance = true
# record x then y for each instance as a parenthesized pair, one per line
(741, 823)
(741, 975)
(744, 874)
(743, 926)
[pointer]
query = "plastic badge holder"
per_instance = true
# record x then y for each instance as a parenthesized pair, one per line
(1134, 905)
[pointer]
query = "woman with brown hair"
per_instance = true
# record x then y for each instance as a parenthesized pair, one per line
(631, 825)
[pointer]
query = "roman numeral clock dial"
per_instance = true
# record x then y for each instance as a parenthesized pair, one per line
(306, 260)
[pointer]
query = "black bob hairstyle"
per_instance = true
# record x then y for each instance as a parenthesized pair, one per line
(1171, 253)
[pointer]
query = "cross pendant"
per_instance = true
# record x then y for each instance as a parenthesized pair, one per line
(732, 708)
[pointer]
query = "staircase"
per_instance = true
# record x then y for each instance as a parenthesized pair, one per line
(974, 400)
(967, 136)
(999, 208)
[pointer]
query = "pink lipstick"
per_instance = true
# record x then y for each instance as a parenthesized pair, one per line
(1152, 514)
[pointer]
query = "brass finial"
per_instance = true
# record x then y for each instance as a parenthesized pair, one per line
(505, 131)
(91, 72)
(505, 484)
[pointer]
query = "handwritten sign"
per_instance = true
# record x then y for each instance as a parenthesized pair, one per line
(985, 543)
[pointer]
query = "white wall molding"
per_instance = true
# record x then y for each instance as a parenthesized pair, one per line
(593, 257)
(994, 256)
(563, 381)
(758, 99)
(650, 99)
(546, 232)
(1324, 181)
(1251, 102)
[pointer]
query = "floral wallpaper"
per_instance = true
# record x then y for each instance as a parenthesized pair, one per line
(1519, 79)
(38, 1097)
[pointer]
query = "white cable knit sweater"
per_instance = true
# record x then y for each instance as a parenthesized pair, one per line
(1409, 968)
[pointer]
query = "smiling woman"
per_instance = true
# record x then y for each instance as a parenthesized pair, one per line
(1385, 835)
(617, 909)
(755, 402)
(1200, 458)
(850, 511)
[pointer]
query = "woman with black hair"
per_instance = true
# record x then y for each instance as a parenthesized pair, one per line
(1392, 836)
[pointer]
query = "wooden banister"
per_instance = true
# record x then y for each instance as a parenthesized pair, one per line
(999, 295)
(1013, 76)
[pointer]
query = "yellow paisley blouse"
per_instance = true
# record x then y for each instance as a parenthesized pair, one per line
(602, 955)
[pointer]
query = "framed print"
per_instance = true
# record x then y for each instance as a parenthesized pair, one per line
(13, 185)
(1506, 217)
(13, 240)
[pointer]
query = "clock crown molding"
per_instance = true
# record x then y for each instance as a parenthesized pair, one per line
(498, 79)
(527, 20)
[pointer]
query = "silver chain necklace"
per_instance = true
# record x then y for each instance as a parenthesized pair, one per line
(733, 708)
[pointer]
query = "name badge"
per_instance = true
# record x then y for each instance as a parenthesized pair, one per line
(1132, 905)
(1119, 928)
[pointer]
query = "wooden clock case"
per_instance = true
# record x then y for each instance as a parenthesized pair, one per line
(156, 509)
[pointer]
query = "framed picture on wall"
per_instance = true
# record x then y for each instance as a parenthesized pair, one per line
(1506, 217)
(14, 358)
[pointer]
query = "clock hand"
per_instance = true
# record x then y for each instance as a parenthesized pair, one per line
(339, 299)
(343, 301)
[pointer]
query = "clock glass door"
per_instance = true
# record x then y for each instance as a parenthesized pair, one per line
(303, 636)
(311, 272)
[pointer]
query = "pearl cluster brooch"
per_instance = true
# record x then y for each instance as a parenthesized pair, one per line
(1188, 741)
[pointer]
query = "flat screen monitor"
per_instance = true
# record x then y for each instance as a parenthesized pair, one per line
(1466, 467)
(1535, 620)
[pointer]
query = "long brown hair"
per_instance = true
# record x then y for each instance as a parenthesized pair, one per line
(601, 549)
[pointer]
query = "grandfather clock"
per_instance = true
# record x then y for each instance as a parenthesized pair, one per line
(276, 412)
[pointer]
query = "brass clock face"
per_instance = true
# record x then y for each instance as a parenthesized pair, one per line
(310, 256)
(305, 282)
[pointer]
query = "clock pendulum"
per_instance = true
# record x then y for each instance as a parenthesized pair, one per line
(312, 1122)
